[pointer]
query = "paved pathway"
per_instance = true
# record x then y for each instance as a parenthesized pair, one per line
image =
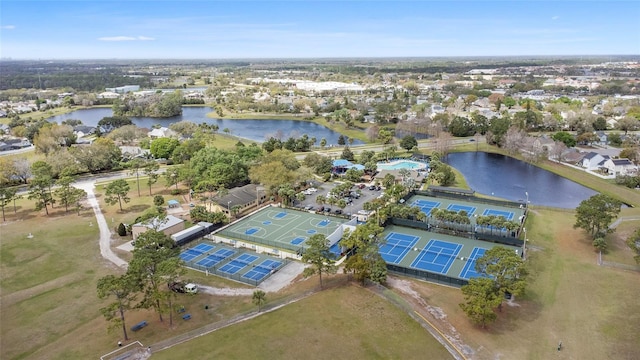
(105, 233)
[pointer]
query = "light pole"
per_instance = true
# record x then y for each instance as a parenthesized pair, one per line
(229, 209)
(524, 243)
(527, 204)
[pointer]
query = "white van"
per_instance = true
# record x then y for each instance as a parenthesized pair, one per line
(191, 288)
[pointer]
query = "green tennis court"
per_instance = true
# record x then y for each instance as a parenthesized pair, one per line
(284, 228)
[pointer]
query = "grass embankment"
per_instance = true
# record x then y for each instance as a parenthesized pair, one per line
(593, 310)
(341, 323)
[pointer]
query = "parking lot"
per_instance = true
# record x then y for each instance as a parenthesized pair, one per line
(352, 208)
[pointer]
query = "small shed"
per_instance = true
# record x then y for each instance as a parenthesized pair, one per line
(173, 203)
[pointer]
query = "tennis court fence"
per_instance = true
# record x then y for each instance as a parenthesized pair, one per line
(475, 199)
(237, 276)
(425, 275)
(274, 244)
(460, 230)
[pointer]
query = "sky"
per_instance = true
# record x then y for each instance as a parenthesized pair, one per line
(200, 29)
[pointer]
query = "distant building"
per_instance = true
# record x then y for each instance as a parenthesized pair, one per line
(124, 89)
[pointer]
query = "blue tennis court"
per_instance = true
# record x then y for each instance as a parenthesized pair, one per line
(190, 254)
(311, 231)
(280, 215)
(215, 258)
(298, 240)
(324, 222)
(425, 205)
(508, 215)
(251, 231)
(437, 256)
(261, 270)
(238, 263)
(266, 222)
(469, 269)
(457, 208)
(397, 246)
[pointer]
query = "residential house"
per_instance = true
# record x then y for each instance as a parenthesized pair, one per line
(602, 138)
(162, 132)
(169, 225)
(83, 130)
(620, 167)
(14, 144)
(594, 161)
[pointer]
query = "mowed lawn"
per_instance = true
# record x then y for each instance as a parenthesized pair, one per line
(593, 310)
(347, 322)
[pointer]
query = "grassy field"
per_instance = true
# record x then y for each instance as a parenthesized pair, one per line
(342, 323)
(49, 308)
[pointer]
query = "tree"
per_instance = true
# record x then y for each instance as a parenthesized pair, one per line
(568, 139)
(596, 213)
(259, 298)
(135, 166)
(67, 194)
(365, 262)
(634, 243)
(505, 268)
(172, 177)
(150, 169)
(319, 257)
(7, 195)
(480, 301)
(408, 142)
(123, 289)
(40, 186)
(347, 154)
(158, 200)
(162, 148)
(155, 260)
(116, 192)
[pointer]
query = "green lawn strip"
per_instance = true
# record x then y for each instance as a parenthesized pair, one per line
(346, 322)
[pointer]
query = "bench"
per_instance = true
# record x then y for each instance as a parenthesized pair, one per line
(186, 316)
(139, 325)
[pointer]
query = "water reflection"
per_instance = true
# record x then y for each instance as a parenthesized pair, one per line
(512, 179)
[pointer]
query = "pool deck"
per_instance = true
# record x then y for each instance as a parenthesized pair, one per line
(419, 166)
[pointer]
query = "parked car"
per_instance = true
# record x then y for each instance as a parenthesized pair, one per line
(308, 207)
(327, 210)
(372, 187)
(361, 186)
(177, 286)
(338, 211)
(378, 188)
(321, 209)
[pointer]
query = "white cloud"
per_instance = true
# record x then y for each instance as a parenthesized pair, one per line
(126, 38)
(555, 17)
(8, 27)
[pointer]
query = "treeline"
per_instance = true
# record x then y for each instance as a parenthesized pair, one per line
(78, 82)
(157, 105)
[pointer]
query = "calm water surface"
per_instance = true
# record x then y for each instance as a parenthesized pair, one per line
(257, 130)
(511, 179)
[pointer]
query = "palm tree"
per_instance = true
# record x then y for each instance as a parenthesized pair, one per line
(259, 298)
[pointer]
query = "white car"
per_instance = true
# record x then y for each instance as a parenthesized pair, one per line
(312, 190)
(191, 288)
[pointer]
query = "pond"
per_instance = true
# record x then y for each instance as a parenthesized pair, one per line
(512, 179)
(252, 129)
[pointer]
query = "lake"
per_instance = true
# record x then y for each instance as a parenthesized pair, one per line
(511, 179)
(252, 129)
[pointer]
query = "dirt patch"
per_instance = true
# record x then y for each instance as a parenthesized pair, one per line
(24, 294)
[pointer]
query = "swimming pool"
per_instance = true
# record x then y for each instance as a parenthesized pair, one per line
(401, 164)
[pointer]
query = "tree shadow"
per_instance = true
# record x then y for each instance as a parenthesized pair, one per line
(134, 209)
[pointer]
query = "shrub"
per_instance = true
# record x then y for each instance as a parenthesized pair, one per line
(122, 230)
